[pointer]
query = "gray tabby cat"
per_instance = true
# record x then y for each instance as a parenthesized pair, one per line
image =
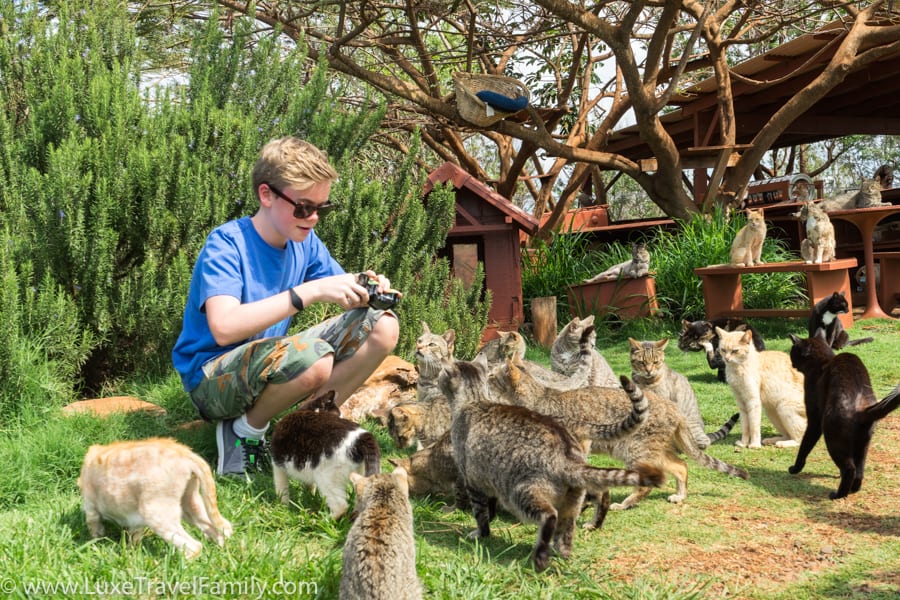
(650, 371)
(566, 353)
(637, 266)
(654, 442)
(379, 556)
(543, 481)
(869, 195)
(510, 343)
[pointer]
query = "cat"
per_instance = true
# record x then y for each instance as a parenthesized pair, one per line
(432, 471)
(566, 353)
(884, 175)
(581, 368)
(653, 442)
(650, 371)
(763, 381)
(819, 245)
(542, 481)
(424, 420)
(321, 449)
(637, 266)
(151, 483)
(825, 317)
(746, 249)
(507, 344)
(868, 196)
(697, 336)
(379, 555)
(841, 406)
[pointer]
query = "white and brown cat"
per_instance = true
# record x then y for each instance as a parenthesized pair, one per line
(151, 483)
(763, 381)
(819, 245)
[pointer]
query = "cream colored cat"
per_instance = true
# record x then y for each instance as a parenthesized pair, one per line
(746, 249)
(763, 381)
(151, 483)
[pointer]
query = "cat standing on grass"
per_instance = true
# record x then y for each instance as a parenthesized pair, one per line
(637, 266)
(542, 481)
(151, 483)
(321, 449)
(650, 371)
(841, 406)
(763, 381)
(746, 249)
(379, 556)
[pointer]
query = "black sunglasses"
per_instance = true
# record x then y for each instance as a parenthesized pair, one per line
(304, 210)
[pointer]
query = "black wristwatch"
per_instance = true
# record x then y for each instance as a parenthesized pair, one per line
(296, 300)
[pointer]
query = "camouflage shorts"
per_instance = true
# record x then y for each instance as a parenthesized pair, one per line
(233, 381)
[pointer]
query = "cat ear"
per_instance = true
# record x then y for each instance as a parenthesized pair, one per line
(449, 337)
(685, 324)
(636, 345)
(588, 320)
(481, 360)
(720, 332)
(356, 479)
(425, 328)
(402, 478)
(794, 339)
(661, 344)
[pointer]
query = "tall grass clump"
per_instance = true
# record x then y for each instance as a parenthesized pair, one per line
(704, 241)
(548, 266)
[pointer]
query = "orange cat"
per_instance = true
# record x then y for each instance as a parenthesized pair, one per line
(151, 483)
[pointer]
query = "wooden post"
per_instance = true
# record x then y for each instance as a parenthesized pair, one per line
(543, 315)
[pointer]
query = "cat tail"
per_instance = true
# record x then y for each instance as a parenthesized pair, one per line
(596, 480)
(724, 429)
(859, 341)
(207, 484)
(366, 448)
(883, 408)
(639, 411)
(685, 442)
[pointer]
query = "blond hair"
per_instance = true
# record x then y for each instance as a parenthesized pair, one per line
(290, 162)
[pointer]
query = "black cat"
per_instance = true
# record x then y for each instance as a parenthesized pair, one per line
(825, 317)
(697, 336)
(840, 405)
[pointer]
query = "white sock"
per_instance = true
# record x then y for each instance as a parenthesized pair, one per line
(245, 430)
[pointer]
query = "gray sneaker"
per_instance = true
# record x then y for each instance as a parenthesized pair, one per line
(237, 455)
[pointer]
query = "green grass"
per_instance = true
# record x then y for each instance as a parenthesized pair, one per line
(775, 536)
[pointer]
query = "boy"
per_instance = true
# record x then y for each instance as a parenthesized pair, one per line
(252, 275)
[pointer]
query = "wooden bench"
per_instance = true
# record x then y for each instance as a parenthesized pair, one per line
(724, 296)
(889, 274)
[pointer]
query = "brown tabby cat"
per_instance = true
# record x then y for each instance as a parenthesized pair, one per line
(542, 481)
(841, 405)
(579, 375)
(763, 380)
(432, 470)
(869, 195)
(652, 443)
(746, 249)
(151, 483)
(566, 353)
(379, 556)
(637, 266)
(650, 371)
(506, 345)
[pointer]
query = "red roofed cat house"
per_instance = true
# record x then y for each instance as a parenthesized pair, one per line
(487, 229)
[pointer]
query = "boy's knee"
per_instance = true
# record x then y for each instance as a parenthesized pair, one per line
(386, 332)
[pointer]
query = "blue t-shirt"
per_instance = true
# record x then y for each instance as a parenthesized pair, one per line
(236, 261)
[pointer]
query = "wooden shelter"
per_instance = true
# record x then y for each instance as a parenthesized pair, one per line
(487, 230)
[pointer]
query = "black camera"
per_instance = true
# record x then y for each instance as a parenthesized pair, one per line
(378, 300)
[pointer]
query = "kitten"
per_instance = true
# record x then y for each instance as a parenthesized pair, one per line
(151, 483)
(699, 336)
(841, 406)
(542, 481)
(763, 381)
(581, 411)
(379, 556)
(650, 371)
(869, 195)
(432, 470)
(321, 449)
(637, 266)
(566, 353)
(825, 317)
(819, 245)
(746, 249)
